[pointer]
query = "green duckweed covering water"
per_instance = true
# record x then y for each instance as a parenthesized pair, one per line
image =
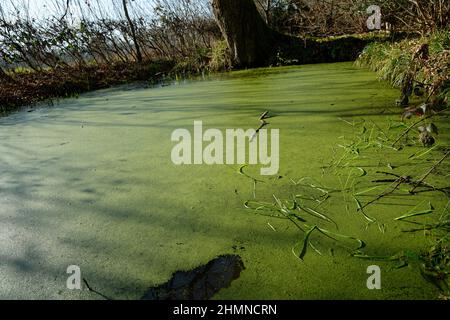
(90, 183)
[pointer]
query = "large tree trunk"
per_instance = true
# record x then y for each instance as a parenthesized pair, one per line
(253, 44)
(251, 41)
(4, 76)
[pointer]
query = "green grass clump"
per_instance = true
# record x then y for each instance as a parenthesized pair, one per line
(394, 62)
(390, 60)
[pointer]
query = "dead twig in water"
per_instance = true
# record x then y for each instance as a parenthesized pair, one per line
(408, 180)
(95, 291)
(263, 124)
(264, 115)
(395, 186)
(429, 172)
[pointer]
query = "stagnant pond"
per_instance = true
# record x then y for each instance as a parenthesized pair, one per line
(90, 182)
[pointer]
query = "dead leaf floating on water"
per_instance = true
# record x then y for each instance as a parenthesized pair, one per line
(425, 136)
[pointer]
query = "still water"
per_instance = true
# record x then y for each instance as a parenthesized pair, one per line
(90, 182)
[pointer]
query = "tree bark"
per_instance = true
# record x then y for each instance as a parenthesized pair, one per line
(4, 76)
(251, 42)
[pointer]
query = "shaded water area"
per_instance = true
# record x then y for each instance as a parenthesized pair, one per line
(90, 182)
(201, 283)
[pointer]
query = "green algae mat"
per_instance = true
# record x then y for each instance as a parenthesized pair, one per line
(90, 182)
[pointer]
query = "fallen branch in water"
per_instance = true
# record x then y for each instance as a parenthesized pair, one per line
(408, 180)
(429, 172)
(396, 185)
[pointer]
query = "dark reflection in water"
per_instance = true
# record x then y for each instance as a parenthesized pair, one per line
(201, 283)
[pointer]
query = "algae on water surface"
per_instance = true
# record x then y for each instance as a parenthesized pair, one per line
(90, 183)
